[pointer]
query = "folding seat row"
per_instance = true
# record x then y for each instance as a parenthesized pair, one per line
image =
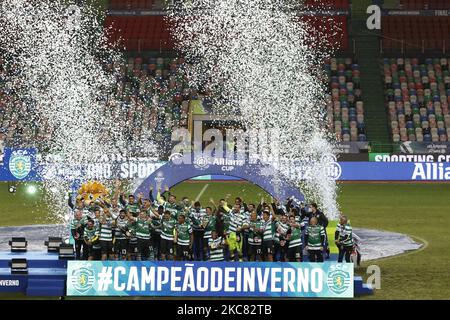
(345, 108)
(417, 112)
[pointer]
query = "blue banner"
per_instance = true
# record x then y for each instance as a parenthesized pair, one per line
(380, 171)
(394, 171)
(19, 165)
(218, 279)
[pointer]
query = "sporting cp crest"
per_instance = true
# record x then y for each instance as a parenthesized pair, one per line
(82, 279)
(20, 163)
(338, 280)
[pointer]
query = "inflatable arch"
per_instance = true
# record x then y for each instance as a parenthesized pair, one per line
(262, 175)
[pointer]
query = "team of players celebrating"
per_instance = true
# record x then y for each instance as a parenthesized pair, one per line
(165, 229)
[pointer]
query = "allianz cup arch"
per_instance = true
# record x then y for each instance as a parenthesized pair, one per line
(262, 175)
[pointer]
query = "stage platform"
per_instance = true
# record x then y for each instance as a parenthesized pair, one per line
(47, 275)
(36, 259)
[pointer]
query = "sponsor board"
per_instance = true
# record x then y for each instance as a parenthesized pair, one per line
(435, 13)
(219, 279)
(21, 165)
(387, 157)
(395, 171)
(351, 147)
(412, 147)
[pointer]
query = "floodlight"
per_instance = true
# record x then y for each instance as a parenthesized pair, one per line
(53, 244)
(19, 266)
(31, 189)
(66, 251)
(18, 244)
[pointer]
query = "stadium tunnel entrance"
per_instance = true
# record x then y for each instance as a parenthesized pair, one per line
(263, 175)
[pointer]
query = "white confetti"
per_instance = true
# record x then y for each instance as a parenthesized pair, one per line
(252, 57)
(66, 74)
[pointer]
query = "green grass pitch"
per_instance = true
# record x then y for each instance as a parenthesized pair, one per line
(419, 210)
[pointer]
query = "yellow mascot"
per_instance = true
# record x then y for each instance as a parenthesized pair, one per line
(93, 192)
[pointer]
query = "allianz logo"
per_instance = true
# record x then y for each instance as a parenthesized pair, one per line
(431, 171)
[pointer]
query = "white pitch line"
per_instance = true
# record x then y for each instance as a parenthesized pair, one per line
(201, 192)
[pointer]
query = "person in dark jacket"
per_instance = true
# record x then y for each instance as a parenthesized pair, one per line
(322, 220)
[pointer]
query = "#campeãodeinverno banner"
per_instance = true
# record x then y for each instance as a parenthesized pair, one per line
(219, 279)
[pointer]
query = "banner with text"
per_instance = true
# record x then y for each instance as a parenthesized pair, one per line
(393, 171)
(387, 157)
(429, 13)
(411, 147)
(219, 279)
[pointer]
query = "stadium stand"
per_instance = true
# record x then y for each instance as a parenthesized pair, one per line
(416, 32)
(156, 86)
(327, 4)
(345, 108)
(136, 4)
(327, 32)
(139, 33)
(152, 92)
(418, 98)
(160, 4)
(14, 122)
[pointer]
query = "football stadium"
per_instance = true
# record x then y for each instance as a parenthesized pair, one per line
(244, 149)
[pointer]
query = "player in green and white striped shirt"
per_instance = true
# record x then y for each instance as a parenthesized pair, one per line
(268, 237)
(245, 254)
(155, 229)
(295, 248)
(143, 235)
(216, 245)
(132, 243)
(77, 226)
(208, 224)
(255, 228)
(106, 235)
(183, 238)
(167, 232)
(344, 239)
(90, 237)
(196, 215)
(97, 217)
(234, 237)
(170, 205)
(314, 239)
(131, 206)
(120, 238)
(280, 243)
